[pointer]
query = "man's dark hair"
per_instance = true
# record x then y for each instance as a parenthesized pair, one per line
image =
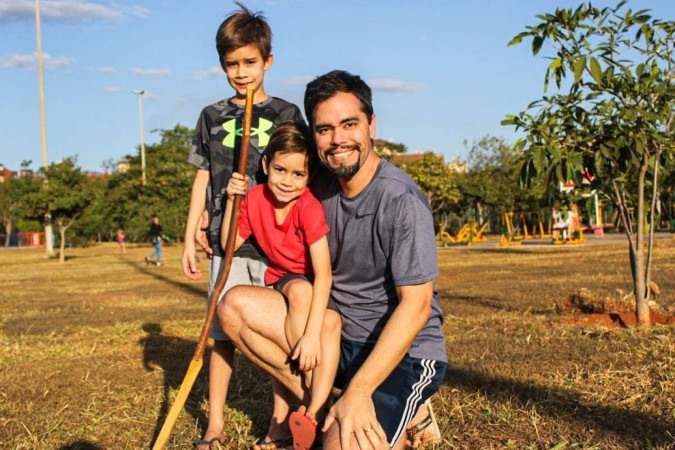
(243, 28)
(326, 86)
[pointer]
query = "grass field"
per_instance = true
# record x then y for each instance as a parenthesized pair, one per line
(93, 350)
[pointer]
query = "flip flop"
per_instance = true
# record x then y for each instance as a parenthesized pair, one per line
(303, 429)
(209, 444)
(426, 431)
(273, 444)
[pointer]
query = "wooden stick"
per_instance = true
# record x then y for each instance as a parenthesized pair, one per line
(197, 359)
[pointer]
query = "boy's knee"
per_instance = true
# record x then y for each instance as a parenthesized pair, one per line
(331, 322)
(299, 294)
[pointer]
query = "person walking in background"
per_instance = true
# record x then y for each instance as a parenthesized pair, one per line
(156, 236)
(120, 240)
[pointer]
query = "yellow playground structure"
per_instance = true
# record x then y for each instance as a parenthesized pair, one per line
(467, 235)
(524, 225)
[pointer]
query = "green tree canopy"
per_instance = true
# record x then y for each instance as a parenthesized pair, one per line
(63, 196)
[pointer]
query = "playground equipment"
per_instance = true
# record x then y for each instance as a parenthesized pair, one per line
(568, 230)
(519, 226)
(467, 235)
(523, 225)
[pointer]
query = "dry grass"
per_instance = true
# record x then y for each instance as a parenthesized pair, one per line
(93, 351)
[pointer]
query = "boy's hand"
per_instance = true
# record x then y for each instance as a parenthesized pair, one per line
(237, 185)
(201, 234)
(188, 261)
(307, 352)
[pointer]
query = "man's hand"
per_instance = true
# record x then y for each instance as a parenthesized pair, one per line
(354, 412)
(307, 352)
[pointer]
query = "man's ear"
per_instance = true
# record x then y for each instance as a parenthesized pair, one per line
(372, 126)
(264, 164)
(269, 61)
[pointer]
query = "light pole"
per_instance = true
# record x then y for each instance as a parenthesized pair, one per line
(49, 241)
(140, 93)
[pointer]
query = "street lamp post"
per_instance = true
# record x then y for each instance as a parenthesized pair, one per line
(140, 93)
(49, 241)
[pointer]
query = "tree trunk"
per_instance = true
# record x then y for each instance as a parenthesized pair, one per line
(641, 302)
(62, 244)
(8, 231)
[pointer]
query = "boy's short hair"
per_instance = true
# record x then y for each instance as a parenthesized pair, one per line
(243, 28)
(292, 137)
(324, 87)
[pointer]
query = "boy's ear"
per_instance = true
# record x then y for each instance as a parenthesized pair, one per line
(269, 61)
(264, 164)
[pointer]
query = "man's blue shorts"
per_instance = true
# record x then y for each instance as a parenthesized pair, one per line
(399, 397)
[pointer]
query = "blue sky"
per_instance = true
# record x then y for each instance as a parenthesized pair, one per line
(440, 70)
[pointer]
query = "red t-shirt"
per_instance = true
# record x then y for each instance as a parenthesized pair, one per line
(286, 245)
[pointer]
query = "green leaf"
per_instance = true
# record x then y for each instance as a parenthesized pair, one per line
(555, 64)
(596, 71)
(579, 66)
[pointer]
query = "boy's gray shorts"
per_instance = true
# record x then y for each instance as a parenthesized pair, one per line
(244, 271)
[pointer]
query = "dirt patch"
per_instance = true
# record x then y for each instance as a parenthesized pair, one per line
(584, 308)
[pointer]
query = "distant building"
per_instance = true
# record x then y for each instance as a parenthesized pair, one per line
(458, 166)
(5, 173)
(123, 166)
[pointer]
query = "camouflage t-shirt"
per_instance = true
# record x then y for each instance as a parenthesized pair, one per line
(216, 147)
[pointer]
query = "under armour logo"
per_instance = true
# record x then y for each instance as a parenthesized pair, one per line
(264, 126)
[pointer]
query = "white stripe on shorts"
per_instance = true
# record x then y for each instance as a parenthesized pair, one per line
(412, 403)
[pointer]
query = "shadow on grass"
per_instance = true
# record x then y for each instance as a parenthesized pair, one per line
(173, 355)
(80, 445)
(490, 303)
(155, 272)
(564, 405)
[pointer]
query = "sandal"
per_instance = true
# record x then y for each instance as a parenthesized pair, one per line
(425, 432)
(273, 444)
(208, 444)
(303, 428)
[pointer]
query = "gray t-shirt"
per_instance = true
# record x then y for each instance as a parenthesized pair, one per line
(381, 239)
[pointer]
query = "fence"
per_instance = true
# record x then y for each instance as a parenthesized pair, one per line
(23, 239)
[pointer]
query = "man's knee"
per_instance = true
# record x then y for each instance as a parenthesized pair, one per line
(230, 308)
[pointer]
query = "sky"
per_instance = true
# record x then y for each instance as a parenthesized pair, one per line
(441, 71)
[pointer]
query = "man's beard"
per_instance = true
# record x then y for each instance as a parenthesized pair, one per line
(345, 171)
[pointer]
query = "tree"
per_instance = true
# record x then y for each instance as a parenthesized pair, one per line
(490, 184)
(436, 181)
(64, 194)
(130, 205)
(611, 117)
(12, 195)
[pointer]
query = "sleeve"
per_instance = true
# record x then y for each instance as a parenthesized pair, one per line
(292, 113)
(313, 220)
(413, 256)
(243, 225)
(199, 148)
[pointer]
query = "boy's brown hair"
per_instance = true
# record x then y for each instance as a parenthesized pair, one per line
(291, 137)
(243, 28)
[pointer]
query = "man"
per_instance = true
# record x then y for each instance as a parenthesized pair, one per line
(383, 257)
